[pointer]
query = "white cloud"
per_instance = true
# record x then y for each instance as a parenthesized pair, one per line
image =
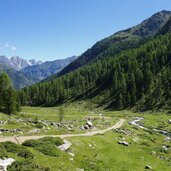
(13, 48)
(7, 46)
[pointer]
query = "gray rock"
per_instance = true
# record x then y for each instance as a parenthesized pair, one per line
(148, 167)
(86, 127)
(90, 124)
(123, 143)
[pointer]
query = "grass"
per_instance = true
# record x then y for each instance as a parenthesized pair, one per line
(75, 116)
(100, 152)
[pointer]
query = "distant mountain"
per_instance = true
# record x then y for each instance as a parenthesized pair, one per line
(19, 79)
(37, 73)
(120, 41)
(18, 63)
(27, 72)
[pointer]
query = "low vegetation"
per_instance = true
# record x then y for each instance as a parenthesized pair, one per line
(100, 152)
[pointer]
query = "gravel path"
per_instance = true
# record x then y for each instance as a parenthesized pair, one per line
(21, 139)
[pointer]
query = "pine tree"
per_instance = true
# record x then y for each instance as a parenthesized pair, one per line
(9, 103)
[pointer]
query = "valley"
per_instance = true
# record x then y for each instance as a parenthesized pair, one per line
(93, 149)
(107, 109)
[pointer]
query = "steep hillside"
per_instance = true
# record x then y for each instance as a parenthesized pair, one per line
(138, 77)
(120, 41)
(37, 73)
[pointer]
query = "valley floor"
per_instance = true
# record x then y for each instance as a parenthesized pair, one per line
(98, 140)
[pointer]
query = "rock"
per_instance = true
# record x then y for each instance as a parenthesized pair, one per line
(72, 154)
(90, 124)
(20, 120)
(86, 127)
(168, 139)
(2, 122)
(34, 131)
(69, 129)
(79, 169)
(163, 132)
(165, 147)
(169, 121)
(148, 167)
(123, 143)
(65, 146)
(5, 163)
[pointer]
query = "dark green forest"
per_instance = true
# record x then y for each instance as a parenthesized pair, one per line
(139, 77)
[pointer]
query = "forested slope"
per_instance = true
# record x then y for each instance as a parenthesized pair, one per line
(138, 77)
(120, 41)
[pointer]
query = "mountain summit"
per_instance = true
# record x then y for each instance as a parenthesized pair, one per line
(18, 63)
(121, 40)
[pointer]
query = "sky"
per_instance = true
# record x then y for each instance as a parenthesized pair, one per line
(55, 29)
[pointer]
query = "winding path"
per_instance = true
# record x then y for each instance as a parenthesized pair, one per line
(21, 139)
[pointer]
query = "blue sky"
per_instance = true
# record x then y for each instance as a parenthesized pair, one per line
(53, 29)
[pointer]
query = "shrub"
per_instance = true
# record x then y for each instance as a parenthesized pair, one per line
(39, 125)
(47, 140)
(12, 147)
(25, 154)
(3, 151)
(46, 145)
(26, 165)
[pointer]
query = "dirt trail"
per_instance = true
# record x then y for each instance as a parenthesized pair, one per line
(21, 139)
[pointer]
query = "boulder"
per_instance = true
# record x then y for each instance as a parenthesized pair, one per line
(123, 143)
(90, 124)
(86, 127)
(148, 167)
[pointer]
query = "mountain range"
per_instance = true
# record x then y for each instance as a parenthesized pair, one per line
(27, 72)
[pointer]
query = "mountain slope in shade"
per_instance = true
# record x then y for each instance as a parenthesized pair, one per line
(37, 73)
(19, 80)
(166, 28)
(120, 41)
(32, 74)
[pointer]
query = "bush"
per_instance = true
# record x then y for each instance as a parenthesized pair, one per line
(25, 154)
(46, 145)
(47, 140)
(12, 147)
(3, 151)
(39, 125)
(26, 165)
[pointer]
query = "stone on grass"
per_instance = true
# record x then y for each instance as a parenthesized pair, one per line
(89, 123)
(5, 163)
(86, 127)
(123, 143)
(148, 167)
